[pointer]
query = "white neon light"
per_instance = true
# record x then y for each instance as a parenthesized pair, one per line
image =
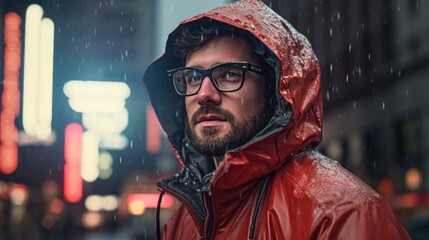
(31, 68)
(95, 105)
(38, 74)
(96, 96)
(113, 141)
(106, 123)
(46, 78)
(96, 89)
(90, 156)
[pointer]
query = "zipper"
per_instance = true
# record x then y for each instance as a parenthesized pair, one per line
(208, 225)
(191, 210)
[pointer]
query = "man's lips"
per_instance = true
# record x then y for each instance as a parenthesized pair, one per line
(210, 120)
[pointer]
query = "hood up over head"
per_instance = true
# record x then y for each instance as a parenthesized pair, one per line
(297, 121)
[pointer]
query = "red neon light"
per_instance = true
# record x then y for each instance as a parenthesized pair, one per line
(72, 154)
(8, 158)
(73, 142)
(151, 199)
(153, 131)
(11, 94)
(72, 184)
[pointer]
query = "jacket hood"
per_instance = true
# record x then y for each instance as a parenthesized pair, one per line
(297, 122)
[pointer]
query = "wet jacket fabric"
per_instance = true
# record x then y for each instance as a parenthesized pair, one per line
(277, 186)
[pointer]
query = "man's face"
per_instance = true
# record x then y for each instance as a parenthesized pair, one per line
(218, 121)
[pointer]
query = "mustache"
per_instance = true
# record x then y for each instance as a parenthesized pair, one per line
(227, 115)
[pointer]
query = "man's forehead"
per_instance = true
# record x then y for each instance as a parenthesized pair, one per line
(220, 49)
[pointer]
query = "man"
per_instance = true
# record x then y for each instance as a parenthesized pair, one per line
(238, 94)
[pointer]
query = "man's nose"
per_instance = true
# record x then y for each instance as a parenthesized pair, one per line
(208, 94)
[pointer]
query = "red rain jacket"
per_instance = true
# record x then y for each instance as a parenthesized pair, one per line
(276, 186)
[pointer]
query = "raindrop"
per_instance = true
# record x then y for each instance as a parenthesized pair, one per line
(369, 56)
(338, 15)
(120, 29)
(330, 32)
(120, 160)
(347, 78)
(354, 104)
(137, 178)
(350, 47)
(383, 106)
(131, 144)
(327, 95)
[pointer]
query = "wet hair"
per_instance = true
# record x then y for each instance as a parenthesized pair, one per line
(196, 36)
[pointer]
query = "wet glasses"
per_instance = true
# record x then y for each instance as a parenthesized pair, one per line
(226, 77)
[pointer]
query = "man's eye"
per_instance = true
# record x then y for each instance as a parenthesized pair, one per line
(231, 76)
(193, 79)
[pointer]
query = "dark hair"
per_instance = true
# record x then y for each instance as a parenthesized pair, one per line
(195, 36)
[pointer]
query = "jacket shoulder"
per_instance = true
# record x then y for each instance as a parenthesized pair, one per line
(325, 181)
(329, 202)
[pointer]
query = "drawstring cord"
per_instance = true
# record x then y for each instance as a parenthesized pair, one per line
(258, 205)
(158, 208)
(254, 217)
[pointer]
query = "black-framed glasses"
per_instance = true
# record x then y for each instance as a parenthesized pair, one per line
(226, 77)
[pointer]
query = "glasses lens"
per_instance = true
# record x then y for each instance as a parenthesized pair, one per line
(228, 77)
(187, 81)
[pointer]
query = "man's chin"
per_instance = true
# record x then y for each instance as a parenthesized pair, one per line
(211, 132)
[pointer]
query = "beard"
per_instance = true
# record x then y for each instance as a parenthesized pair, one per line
(211, 142)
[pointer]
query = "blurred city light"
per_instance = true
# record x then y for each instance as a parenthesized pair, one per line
(413, 178)
(105, 165)
(95, 203)
(46, 78)
(92, 220)
(153, 131)
(72, 168)
(150, 200)
(38, 73)
(106, 123)
(96, 96)
(10, 95)
(18, 194)
(90, 157)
